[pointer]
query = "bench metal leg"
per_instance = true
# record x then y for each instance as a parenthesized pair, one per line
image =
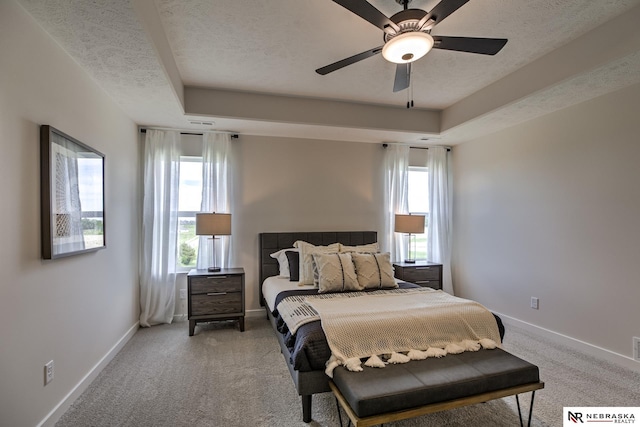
(533, 395)
(339, 413)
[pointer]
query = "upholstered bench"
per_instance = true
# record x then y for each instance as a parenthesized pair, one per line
(397, 392)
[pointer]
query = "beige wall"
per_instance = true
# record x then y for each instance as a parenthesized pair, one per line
(298, 185)
(71, 310)
(551, 209)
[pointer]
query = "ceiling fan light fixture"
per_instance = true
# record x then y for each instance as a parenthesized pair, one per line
(407, 47)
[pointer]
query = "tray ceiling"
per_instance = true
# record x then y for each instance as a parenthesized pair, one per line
(167, 62)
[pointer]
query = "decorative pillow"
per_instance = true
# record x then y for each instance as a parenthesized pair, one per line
(369, 249)
(293, 258)
(374, 271)
(283, 262)
(334, 273)
(306, 261)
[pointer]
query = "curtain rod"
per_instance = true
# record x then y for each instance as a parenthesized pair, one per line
(234, 135)
(385, 145)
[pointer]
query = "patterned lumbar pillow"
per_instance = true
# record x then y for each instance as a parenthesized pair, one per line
(306, 261)
(374, 271)
(334, 273)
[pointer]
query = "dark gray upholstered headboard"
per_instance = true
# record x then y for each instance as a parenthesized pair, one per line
(273, 242)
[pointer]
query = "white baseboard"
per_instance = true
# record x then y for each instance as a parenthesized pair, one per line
(180, 317)
(256, 312)
(585, 347)
(57, 412)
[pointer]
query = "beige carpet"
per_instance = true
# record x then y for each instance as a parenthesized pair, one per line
(222, 377)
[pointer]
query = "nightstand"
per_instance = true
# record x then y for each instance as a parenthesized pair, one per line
(423, 273)
(215, 296)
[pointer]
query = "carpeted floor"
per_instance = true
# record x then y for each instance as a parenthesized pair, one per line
(222, 377)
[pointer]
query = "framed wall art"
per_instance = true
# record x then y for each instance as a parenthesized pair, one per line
(72, 195)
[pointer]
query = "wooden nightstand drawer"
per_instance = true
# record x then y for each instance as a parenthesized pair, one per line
(418, 274)
(423, 273)
(209, 284)
(216, 303)
(435, 284)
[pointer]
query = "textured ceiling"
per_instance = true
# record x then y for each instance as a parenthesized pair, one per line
(144, 53)
(275, 46)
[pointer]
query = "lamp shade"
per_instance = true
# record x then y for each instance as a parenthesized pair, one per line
(213, 224)
(407, 47)
(409, 223)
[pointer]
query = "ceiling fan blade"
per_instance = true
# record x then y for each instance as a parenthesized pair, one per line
(403, 76)
(444, 9)
(348, 61)
(479, 45)
(368, 12)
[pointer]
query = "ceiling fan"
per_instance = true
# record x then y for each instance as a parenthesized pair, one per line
(407, 37)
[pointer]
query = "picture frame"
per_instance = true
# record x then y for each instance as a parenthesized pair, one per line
(72, 195)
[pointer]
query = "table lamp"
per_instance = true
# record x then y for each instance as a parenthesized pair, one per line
(213, 224)
(411, 224)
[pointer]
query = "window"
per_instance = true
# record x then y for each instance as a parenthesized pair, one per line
(189, 202)
(418, 193)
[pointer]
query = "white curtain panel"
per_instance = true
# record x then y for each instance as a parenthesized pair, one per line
(439, 227)
(216, 196)
(159, 227)
(396, 182)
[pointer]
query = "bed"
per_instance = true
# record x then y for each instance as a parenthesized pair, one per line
(306, 351)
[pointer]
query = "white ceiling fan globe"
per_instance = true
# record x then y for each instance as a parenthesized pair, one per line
(407, 47)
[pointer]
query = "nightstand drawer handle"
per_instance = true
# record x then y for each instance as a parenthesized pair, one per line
(423, 268)
(216, 277)
(213, 294)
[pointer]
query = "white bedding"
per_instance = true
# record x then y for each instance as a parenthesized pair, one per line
(273, 285)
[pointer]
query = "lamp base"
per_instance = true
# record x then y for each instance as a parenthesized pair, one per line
(213, 269)
(410, 261)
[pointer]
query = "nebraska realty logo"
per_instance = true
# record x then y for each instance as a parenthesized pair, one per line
(601, 415)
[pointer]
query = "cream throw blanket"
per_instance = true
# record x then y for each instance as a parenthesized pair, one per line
(420, 324)
(295, 311)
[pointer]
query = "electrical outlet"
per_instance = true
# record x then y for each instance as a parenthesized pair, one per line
(48, 372)
(534, 303)
(636, 348)
(183, 294)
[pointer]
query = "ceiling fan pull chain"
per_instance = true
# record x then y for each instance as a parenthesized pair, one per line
(411, 85)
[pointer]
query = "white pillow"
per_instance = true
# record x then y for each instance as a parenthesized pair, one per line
(374, 271)
(306, 261)
(334, 273)
(283, 262)
(370, 248)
